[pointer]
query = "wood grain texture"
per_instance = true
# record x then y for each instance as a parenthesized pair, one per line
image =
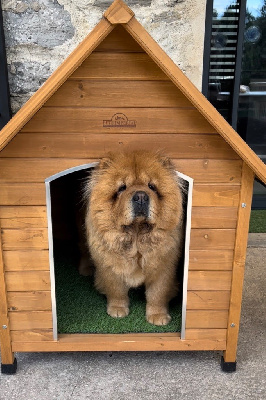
(211, 260)
(25, 281)
(120, 342)
(91, 120)
(119, 41)
(215, 239)
(37, 170)
(90, 93)
(208, 300)
(215, 195)
(7, 356)
(214, 217)
(28, 320)
(132, 66)
(203, 319)
(23, 260)
(209, 280)
(201, 334)
(22, 194)
(23, 217)
(26, 239)
(118, 13)
(78, 145)
(239, 263)
(29, 301)
(34, 335)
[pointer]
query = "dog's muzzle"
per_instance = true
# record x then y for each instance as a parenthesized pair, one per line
(140, 202)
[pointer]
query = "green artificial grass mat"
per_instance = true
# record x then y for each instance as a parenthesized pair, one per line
(82, 309)
(257, 221)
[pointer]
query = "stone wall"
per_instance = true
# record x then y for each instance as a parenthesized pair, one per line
(41, 33)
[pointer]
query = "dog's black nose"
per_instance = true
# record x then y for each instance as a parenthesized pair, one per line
(140, 197)
(140, 202)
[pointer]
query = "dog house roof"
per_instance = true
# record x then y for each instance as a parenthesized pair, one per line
(120, 13)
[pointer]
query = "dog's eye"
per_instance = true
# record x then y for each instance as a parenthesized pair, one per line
(152, 187)
(122, 188)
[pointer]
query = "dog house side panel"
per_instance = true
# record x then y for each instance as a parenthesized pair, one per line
(26, 259)
(212, 302)
(7, 356)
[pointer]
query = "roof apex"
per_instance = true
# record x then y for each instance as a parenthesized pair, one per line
(118, 13)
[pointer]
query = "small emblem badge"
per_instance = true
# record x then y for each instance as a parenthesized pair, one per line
(119, 120)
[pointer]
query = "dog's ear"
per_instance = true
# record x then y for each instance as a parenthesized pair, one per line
(166, 162)
(105, 163)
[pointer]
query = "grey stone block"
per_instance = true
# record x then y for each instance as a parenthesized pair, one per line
(44, 23)
(27, 76)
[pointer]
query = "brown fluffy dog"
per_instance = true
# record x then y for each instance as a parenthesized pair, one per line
(134, 230)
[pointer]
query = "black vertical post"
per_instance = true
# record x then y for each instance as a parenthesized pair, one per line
(207, 47)
(5, 109)
(238, 65)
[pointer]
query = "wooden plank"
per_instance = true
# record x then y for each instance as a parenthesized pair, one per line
(28, 320)
(22, 194)
(7, 356)
(215, 239)
(29, 301)
(239, 263)
(25, 281)
(35, 335)
(214, 217)
(120, 342)
(203, 105)
(23, 217)
(208, 300)
(22, 260)
(202, 319)
(209, 280)
(119, 41)
(215, 195)
(87, 93)
(18, 239)
(211, 259)
(204, 195)
(201, 334)
(119, 66)
(78, 145)
(37, 170)
(104, 120)
(213, 171)
(118, 13)
(55, 81)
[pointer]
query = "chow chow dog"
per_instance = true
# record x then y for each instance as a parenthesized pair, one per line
(134, 230)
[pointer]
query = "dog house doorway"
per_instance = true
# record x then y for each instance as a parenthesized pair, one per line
(77, 307)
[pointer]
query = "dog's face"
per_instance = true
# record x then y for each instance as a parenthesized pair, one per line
(138, 188)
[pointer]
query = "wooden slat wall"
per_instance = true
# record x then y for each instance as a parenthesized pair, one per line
(69, 131)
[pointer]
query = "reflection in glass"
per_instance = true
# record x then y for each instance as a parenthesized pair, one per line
(252, 102)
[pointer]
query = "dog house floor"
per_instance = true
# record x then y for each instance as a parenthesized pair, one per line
(81, 309)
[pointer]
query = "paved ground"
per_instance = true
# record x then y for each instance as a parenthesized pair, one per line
(162, 376)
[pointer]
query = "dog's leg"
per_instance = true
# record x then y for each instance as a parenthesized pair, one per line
(116, 292)
(159, 292)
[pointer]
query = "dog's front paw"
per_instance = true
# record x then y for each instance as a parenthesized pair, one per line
(117, 312)
(158, 319)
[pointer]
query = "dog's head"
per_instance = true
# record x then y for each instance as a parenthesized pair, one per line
(129, 189)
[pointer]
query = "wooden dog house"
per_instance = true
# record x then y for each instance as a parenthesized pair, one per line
(118, 89)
